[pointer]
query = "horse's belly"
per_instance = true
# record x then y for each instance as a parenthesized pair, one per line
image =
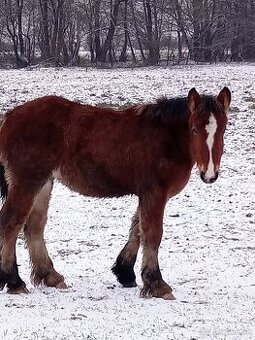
(94, 184)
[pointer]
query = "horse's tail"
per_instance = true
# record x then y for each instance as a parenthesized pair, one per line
(3, 183)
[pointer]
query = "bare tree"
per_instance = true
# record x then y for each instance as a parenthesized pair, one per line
(45, 29)
(59, 37)
(120, 30)
(106, 46)
(123, 55)
(14, 26)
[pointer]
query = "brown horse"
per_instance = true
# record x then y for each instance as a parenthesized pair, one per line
(147, 150)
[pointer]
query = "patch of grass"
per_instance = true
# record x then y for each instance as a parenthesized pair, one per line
(249, 99)
(252, 106)
(234, 109)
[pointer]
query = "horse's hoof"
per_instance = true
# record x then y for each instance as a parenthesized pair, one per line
(61, 285)
(129, 284)
(146, 293)
(163, 292)
(2, 285)
(19, 290)
(3, 279)
(168, 296)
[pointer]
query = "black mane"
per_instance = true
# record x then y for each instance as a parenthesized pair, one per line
(209, 104)
(174, 111)
(167, 111)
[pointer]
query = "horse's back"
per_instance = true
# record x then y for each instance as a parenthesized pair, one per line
(52, 136)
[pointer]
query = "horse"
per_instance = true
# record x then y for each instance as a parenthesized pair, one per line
(147, 150)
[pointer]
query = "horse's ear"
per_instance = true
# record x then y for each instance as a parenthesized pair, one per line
(193, 100)
(224, 98)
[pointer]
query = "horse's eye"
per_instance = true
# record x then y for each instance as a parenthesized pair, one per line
(194, 130)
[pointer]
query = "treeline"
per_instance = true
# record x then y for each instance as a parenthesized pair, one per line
(145, 32)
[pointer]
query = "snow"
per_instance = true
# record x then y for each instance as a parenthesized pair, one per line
(208, 250)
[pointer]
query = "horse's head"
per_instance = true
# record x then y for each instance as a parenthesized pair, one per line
(207, 122)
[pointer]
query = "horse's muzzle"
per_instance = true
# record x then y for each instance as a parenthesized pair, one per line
(210, 179)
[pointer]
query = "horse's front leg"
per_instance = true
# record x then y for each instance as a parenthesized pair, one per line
(151, 224)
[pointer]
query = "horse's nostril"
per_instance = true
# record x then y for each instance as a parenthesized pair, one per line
(213, 179)
(210, 179)
(216, 175)
(202, 175)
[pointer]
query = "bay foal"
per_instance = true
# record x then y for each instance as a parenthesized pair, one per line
(147, 150)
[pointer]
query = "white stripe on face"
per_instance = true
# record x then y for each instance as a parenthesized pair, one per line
(210, 128)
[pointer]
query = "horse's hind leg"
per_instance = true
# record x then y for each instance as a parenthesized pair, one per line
(42, 266)
(12, 217)
(123, 268)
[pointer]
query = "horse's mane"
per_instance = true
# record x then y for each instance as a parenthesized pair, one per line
(166, 111)
(174, 111)
(210, 104)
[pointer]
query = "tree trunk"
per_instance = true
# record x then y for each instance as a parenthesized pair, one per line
(45, 43)
(97, 29)
(151, 41)
(196, 50)
(108, 41)
(123, 55)
(137, 31)
(14, 29)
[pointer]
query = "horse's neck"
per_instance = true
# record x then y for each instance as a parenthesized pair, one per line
(183, 143)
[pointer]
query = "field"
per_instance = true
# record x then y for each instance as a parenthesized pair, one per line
(208, 249)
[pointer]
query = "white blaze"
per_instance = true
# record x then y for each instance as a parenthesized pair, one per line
(210, 128)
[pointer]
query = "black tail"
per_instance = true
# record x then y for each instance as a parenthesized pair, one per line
(3, 183)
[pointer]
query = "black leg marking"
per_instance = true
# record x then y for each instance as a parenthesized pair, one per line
(124, 271)
(154, 285)
(3, 279)
(151, 280)
(11, 279)
(151, 277)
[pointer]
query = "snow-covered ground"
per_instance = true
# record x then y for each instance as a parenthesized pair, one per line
(208, 249)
